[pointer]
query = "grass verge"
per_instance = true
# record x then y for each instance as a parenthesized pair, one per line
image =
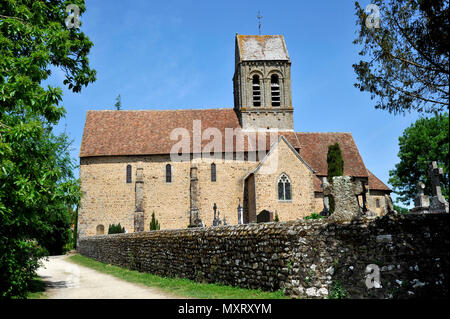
(36, 289)
(178, 286)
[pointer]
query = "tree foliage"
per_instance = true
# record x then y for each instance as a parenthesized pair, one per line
(424, 141)
(37, 188)
(406, 59)
(335, 163)
(154, 224)
(118, 104)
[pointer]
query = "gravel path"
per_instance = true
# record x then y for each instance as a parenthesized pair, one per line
(66, 280)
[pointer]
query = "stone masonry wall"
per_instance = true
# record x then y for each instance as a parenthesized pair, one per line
(306, 258)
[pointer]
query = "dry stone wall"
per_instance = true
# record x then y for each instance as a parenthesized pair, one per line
(306, 258)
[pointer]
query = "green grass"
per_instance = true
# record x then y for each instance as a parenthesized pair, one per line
(178, 286)
(37, 289)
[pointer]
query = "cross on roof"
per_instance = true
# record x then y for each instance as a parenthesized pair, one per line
(259, 16)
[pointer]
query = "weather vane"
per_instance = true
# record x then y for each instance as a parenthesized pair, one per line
(259, 19)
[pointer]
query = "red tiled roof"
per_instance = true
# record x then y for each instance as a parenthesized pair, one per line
(118, 133)
(376, 184)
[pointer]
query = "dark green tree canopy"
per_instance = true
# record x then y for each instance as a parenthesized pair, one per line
(423, 142)
(335, 161)
(406, 60)
(37, 187)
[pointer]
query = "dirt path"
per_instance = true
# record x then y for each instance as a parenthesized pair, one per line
(66, 280)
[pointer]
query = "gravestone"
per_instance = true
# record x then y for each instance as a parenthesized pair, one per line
(438, 202)
(422, 201)
(344, 192)
(216, 220)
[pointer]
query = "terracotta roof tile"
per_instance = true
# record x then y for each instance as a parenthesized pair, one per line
(114, 133)
(376, 184)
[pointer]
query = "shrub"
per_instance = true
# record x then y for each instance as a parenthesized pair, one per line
(335, 163)
(314, 216)
(154, 224)
(116, 229)
(276, 219)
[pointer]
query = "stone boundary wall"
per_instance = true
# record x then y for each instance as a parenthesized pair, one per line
(306, 258)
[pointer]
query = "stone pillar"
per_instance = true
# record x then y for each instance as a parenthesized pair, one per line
(194, 217)
(139, 201)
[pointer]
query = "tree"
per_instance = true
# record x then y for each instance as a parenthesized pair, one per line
(154, 224)
(424, 141)
(37, 188)
(407, 58)
(335, 163)
(118, 104)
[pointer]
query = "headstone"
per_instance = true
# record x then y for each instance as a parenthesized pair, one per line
(240, 213)
(438, 202)
(344, 193)
(216, 220)
(422, 201)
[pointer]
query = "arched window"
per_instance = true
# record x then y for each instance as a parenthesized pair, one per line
(100, 230)
(128, 173)
(168, 173)
(284, 188)
(256, 91)
(213, 172)
(275, 90)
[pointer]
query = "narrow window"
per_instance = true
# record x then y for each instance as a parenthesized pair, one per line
(128, 173)
(213, 172)
(284, 188)
(377, 202)
(168, 173)
(275, 90)
(256, 91)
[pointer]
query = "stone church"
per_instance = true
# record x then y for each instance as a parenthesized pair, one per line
(129, 167)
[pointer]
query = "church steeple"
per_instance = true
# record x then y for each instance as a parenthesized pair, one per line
(262, 82)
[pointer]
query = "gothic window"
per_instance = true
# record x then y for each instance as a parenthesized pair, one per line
(100, 230)
(284, 188)
(128, 173)
(256, 91)
(275, 90)
(213, 172)
(168, 173)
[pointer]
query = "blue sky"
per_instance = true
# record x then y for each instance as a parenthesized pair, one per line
(180, 55)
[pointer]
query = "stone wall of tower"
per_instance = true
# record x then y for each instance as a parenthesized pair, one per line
(265, 115)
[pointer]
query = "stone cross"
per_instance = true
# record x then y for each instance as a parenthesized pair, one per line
(438, 202)
(434, 174)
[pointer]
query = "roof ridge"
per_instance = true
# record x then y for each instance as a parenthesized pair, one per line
(164, 110)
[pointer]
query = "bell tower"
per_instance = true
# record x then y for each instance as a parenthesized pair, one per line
(262, 83)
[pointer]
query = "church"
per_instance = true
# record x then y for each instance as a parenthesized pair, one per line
(194, 167)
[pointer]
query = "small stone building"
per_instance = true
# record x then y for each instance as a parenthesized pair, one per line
(179, 163)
